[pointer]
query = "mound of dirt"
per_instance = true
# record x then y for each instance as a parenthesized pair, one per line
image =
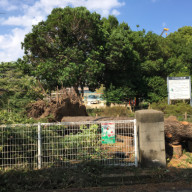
(66, 104)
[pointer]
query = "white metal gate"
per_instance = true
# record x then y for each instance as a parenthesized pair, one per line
(68, 143)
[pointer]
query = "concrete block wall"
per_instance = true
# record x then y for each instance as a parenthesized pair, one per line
(151, 138)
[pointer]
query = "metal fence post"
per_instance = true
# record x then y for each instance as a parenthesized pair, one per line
(135, 141)
(39, 146)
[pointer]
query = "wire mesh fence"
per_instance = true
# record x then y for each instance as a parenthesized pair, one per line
(18, 146)
(64, 144)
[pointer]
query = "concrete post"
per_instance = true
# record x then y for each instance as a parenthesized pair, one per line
(151, 138)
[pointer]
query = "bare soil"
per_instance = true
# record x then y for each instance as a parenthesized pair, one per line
(89, 118)
(54, 109)
(149, 187)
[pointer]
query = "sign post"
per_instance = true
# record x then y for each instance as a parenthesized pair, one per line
(179, 88)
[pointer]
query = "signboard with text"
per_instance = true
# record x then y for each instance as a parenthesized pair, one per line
(108, 133)
(179, 88)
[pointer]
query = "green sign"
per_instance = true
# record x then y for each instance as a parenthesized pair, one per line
(108, 133)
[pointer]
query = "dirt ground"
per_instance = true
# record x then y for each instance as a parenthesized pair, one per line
(175, 167)
(179, 170)
(161, 187)
(180, 162)
(90, 118)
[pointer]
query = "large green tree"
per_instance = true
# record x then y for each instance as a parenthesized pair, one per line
(121, 62)
(135, 64)
(180, 52)
(66, 49)
(75, 47)
(153, 57)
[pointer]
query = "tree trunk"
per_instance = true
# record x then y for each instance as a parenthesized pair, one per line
(76, 90)
(82, 91)
(176, 131)
(137, 101)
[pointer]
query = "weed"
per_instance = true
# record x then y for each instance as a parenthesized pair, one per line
(111, 112)
(177, 109)
(189, 158)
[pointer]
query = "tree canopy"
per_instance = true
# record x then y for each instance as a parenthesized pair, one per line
(75, 47)
(67, 49)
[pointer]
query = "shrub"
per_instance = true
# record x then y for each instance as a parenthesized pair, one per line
(14, 117)
(111, 112)
(116, 111)
(177, 109)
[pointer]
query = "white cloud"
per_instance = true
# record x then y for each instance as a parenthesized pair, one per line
(103, 6)
(7, 6)
(23, 21)
(115, 12)
(10, 44)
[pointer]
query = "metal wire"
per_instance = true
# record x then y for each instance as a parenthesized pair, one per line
(18, 147)
(68, 143)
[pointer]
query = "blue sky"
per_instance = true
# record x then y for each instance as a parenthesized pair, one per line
(152, 15)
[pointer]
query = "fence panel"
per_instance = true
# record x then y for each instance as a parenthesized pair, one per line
(18, 146)
(68, 143)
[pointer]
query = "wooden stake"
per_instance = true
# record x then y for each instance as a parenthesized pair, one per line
(185, 115)
(57, 96)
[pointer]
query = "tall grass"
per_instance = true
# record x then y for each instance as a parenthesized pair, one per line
(116, 111)
(178, 109)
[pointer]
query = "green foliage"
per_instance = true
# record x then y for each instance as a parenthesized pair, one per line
(189, 158)
(143, 105)
(17, 90)
(109, 24)
(66, 49)
(94, 111)
(145, 62)
(18, 147)
(118, 95)
(111, 112)
(122, 66)
(157, 89)
(88, 175)
(67, 144)
(75, 47)
(86, 143)
(179, 44)
(117, 111)
(14, 117)
(60, 145)
(101, 89)
(82, 175)
(178, 109)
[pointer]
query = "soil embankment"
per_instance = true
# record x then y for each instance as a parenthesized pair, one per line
(54, 109)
